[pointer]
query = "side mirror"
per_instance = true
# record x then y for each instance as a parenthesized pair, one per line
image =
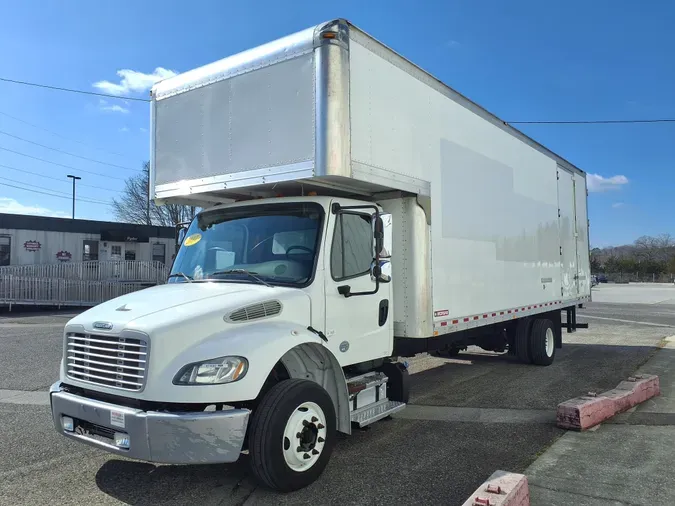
(181, 232)
(377, 274)
(378, 234)
(382, 233)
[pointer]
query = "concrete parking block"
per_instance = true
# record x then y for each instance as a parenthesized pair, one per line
(501, 489)
(587, 411)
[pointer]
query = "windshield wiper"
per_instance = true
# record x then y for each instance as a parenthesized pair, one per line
(182, 275)
(252, 275)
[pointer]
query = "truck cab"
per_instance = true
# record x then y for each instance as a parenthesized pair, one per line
(263, 294)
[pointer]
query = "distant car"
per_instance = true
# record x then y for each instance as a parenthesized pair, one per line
(594, 280)
(601, 278)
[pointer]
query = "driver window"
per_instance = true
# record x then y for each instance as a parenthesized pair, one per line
(352, 252)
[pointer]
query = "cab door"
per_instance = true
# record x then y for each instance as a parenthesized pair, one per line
(359, 324)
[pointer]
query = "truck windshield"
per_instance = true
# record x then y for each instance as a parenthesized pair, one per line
(273, 244)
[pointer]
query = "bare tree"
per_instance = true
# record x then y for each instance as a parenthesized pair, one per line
(134, 207)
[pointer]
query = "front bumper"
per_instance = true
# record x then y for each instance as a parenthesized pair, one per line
(169, 438)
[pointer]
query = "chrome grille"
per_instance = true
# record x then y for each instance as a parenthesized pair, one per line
(107, 360)
(255, 311)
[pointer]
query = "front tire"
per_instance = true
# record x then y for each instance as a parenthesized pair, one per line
(292, 435)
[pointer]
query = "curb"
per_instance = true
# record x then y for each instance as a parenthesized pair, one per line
(501, 489)
(584, 412)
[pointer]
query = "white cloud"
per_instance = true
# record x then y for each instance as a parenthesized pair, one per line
(597, 183)
(616, 205)
(11, 206)
(133, 81)
(452, 44)
(144, 130)
(106, 107)
(124, 129)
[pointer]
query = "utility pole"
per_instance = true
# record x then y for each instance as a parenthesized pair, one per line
(147, 209)
(74, 178)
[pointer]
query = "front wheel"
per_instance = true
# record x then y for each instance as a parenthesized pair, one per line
(292, 435)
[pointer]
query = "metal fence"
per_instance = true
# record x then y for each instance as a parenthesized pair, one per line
(110, 270)
(636, 277)
(61, 292)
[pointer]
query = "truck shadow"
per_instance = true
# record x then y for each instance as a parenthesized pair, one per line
(142, 483)
(481, 379)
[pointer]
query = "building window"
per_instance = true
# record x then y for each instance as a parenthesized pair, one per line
(90, 250)
(352, 251)
(159, 252)
(129, 254)
(116, 250)
(5, 248)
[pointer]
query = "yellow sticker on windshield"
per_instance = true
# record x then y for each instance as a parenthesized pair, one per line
(192, 239)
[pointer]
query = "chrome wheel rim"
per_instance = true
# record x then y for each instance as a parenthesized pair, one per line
(304, 436)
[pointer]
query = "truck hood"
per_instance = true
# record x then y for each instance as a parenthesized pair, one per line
(123, 311)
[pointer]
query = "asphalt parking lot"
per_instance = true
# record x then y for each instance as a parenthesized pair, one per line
(468, 417)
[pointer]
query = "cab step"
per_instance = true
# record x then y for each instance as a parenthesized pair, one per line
(368, 400)
(378, 411)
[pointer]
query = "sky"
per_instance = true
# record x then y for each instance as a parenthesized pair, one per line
(521, 60)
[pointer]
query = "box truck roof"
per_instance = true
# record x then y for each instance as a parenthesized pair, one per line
(285, 111)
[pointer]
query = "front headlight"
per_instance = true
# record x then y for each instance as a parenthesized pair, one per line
(214, 371)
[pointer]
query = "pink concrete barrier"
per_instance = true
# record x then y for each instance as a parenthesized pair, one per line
(589, 410)
(501, 489)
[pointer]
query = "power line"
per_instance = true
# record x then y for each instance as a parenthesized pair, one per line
(84, 199)
(60, 164)
(67, 153)
(553, 122)
(70, 90)
(58, 179)
(592, 122)
(52, 195)
(62, 136)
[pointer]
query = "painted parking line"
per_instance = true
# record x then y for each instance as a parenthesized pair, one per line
(480, 415)
(35, 398)
(583, 315)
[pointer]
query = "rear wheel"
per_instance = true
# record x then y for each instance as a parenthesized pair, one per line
(521, 340)
(292, 435)
(542, 342)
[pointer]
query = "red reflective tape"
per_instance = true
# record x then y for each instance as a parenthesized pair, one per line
(475, 317)
(509, 311)
(502, 312)
(494, 314)
(515, 311)
(443, 324)
(484, 316)
(466, 319)
(528, 307)
(455, 321)
(523, 309)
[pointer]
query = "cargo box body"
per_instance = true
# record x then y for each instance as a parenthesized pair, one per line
(488, 224)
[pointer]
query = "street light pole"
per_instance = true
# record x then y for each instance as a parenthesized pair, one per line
(74, 178)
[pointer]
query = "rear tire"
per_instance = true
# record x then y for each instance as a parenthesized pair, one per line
(521, 340)
(292, 435)
(542, 342)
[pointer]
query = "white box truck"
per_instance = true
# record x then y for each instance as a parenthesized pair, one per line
(356, 211)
